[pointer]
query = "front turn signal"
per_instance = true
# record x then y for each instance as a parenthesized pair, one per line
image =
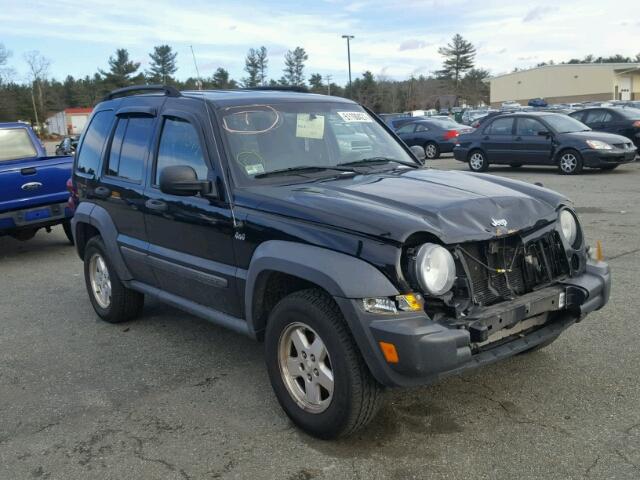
(389, 351)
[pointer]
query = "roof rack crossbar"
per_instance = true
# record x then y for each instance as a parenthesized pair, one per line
(119, 92)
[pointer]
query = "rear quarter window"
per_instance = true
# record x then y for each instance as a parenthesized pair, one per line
(93, 143)
(129, 148)
(15, 143)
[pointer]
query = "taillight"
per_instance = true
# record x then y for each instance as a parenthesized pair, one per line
(636, 124)
(449, 134)
(70, 188)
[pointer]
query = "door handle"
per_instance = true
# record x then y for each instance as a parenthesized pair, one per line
(102, 192)
(486, 137)
(156, 205)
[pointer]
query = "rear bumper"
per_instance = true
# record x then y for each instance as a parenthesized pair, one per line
(36, 217)
(430, 350)
(601, 158)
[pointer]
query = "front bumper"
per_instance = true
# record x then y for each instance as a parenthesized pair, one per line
(35, 217)
(429, 350)
(601, 158)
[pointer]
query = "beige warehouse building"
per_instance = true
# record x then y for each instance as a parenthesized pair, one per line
(568, 83)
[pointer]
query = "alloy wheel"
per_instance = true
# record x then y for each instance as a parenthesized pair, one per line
(100, 280)
(430, 151)
(476, 161)
(306, 367)
(568, 163)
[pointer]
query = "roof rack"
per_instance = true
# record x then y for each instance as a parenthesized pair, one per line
(120, 92)
(282, 88)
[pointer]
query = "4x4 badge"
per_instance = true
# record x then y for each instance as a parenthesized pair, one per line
(498, 222)
(240, 236)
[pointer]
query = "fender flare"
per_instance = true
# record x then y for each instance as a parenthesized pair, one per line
(98, 217)
(339, 274)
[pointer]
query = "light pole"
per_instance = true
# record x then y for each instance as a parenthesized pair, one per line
(349, 37)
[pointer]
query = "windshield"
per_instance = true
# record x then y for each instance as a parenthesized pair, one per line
(15, 143)
(306, 138)
(564, 124)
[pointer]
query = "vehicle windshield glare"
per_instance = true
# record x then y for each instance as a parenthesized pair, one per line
(564, 124)
(15, 144)
(285, 137)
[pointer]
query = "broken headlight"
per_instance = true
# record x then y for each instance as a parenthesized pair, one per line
(434, 268)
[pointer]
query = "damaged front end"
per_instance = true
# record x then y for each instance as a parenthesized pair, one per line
(511, 293)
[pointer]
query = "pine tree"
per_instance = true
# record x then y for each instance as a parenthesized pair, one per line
(121, 70)
(294, 67)
(163, 65)
(458, 58)
(262, 62)
(315, 81)
(221, 79)
(252, 67)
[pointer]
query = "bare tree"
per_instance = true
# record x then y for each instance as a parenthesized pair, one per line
(5, 73)
(38, 71)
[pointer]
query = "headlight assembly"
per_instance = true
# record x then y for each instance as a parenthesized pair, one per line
(598, 145)
(568, 227)
(434, 269)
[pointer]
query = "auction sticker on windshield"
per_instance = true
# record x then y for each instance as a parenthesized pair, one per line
(355, 117)
(310, 126)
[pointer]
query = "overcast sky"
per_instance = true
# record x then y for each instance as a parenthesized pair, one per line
(396, 39)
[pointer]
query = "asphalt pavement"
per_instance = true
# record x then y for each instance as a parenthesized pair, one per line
(170, 396)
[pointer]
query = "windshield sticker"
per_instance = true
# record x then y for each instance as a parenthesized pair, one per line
(355, 117)
(254, 169)
(310, 126)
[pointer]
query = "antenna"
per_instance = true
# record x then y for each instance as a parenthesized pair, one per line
(197, 71)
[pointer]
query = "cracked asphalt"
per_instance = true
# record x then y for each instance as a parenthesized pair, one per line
(170, 396)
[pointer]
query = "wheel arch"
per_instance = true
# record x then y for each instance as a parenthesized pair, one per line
(280, 267)
(90, 220)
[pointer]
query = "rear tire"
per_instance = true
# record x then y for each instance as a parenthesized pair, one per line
(431, 150)
(309, 321)
(112, 301)
(570, 162)
(478, 161)
(66, 226)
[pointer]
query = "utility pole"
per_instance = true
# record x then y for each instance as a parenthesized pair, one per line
(349, 38)
(328, 77)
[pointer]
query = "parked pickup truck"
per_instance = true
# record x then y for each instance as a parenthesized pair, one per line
(33, 186)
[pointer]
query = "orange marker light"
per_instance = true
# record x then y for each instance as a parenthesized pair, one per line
(389, 352)
(599, 254)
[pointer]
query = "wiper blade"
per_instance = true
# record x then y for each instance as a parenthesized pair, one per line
(376, 161)
(301, 169)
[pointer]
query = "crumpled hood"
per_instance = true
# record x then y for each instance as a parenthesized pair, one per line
(454, 206)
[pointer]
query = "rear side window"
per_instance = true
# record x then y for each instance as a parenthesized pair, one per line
(15, 143)
(598, 116)
(406, 129)
(501, 126)
(180, 145)
(94, 140)
(129, 148)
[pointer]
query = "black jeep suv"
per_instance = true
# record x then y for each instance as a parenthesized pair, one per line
(302, 221)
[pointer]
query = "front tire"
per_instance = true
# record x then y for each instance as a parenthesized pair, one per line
(478, 161)
(431, 150)
(570, 162)
(317, 372)
(112, 301)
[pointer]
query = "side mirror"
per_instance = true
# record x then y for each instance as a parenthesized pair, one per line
(544, 133)
(183, 180)
(418, 152)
